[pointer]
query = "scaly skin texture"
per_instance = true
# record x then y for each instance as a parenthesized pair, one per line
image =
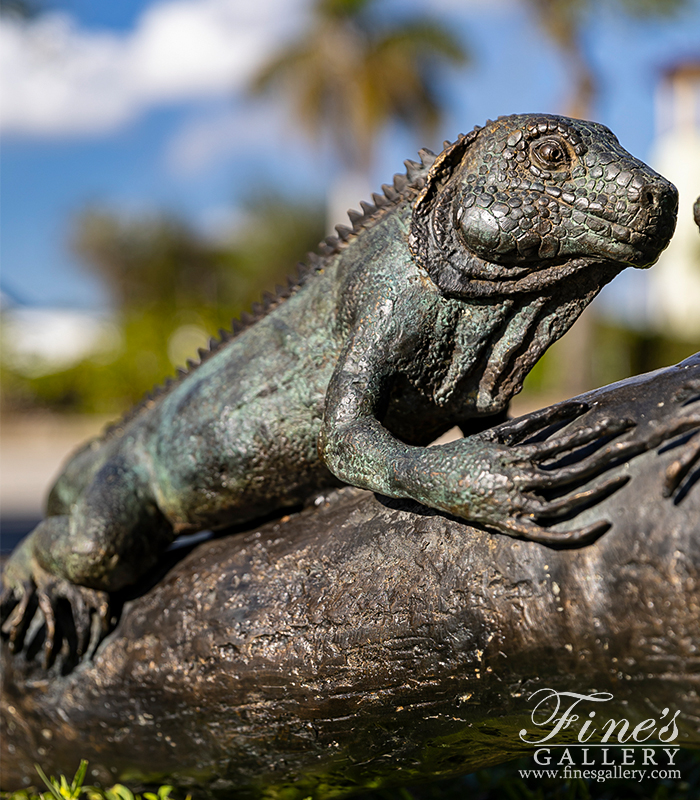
(429, 313)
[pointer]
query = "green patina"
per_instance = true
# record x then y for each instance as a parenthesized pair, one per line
(427, 313)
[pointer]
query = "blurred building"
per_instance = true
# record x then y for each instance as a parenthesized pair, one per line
(674, 296)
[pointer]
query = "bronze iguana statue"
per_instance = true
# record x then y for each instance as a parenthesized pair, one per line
(427, 313)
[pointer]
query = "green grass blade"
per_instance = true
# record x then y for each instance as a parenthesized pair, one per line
(77, 784)
(49, 783)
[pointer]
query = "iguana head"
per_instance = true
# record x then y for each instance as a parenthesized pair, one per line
(524, 202)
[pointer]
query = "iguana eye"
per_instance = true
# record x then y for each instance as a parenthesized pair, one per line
(550, 154)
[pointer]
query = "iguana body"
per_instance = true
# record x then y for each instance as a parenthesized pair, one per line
(429, 313)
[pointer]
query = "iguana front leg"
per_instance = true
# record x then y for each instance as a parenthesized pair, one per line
(479, 478)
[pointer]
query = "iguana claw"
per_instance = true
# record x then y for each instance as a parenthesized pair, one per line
(536, 533)
(680, 468)
(517, 430)
(76, 618)
(689, 457)
(16, 614)
(538, 476)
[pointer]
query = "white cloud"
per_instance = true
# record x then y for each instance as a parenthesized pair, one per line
(60, 79)
(57, 79)
(215, 133)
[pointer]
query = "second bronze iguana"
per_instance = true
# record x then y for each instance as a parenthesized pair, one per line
(427, 313)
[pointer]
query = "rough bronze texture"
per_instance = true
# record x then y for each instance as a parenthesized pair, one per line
(428, 313)
(368, 642)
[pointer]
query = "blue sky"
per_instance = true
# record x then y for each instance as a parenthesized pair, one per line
(138, 105)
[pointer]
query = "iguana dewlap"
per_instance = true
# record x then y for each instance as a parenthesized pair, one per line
(428, 313)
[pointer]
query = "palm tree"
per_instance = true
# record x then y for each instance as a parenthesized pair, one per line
(24, 9)
(350, 75)
(562, 22)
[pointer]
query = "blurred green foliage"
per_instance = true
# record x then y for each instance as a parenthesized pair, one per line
(617, 352)
(172, 288)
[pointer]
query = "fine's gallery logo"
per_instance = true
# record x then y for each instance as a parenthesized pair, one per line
(561, 709)
(594, 749)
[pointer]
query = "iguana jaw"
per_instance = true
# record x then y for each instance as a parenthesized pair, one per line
(534, 322)
(487, 279)
(497, 339)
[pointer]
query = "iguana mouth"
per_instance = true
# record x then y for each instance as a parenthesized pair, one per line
(627, 243)
(646, 234)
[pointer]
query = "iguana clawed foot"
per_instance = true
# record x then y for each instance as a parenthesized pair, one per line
(75, 617)
(689, 456)
(546, 467)
(542, 470)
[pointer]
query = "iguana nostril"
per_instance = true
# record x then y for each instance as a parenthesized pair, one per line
(651, 196)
